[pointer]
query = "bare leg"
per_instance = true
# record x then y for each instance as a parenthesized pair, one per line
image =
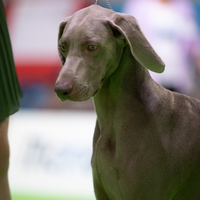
(4, 161)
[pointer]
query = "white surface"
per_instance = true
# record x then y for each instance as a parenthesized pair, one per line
(51, 152)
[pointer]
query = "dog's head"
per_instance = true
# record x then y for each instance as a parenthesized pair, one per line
(90, 45)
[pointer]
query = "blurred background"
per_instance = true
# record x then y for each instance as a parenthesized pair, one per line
(50, 140)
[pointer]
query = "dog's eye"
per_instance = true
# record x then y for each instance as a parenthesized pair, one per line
(62, 48)
(92, 47)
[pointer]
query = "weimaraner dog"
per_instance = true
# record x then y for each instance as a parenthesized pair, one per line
(146, 144)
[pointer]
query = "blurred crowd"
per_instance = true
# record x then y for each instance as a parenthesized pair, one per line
(171, 26)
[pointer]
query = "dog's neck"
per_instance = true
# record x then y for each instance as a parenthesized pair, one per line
(124, 91)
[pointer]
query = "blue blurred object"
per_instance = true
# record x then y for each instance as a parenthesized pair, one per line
(197, 11)
(34, 95)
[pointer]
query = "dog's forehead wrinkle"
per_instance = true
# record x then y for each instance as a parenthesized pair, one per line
(75, 39)
(87, 25)
(93, 34)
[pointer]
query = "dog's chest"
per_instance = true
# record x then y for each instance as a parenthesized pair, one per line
(104, 165)
(125, 171)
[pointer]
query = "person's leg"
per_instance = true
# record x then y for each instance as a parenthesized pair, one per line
(4, 161)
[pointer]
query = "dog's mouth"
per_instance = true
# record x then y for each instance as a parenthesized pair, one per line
(63, 97)
(95, 93)
(77, 96)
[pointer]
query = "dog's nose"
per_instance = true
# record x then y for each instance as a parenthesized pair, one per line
(63, 89)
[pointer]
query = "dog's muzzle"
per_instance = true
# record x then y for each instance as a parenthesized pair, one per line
(64, 90)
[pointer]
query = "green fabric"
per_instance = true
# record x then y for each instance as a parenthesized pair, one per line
(10, 91)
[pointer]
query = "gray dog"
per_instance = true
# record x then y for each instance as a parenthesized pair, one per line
(146, 143)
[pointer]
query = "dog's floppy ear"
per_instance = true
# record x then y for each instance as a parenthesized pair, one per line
(62, 26)
(61, 29)
(140, 48)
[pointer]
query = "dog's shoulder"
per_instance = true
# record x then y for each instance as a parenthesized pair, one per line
(187, 102)
(187, 112)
